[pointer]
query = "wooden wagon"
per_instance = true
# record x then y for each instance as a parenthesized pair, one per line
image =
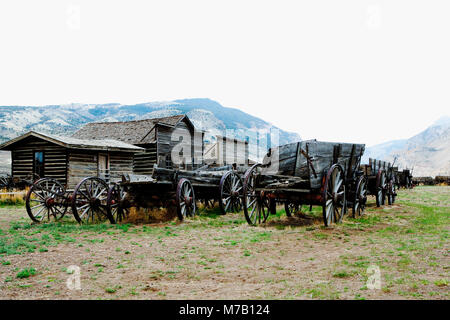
(381, 181)
(405, 178)
(177, 189)
(305, 173)
(7, 182)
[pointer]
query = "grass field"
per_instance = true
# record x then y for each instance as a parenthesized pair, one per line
(221, 257)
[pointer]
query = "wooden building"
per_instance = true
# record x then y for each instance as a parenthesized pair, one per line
(162, 138)
(226, 151)
(68, 159)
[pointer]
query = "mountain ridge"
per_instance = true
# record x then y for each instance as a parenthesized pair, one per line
(206, 114)
(428, 152)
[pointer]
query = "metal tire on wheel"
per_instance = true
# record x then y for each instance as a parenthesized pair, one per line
(391, 192)
(256, 206)
(89, 201)
(381, 188)
(333, 195)
(185, 198)
(231, 190)
(359, 203)
(46, 199)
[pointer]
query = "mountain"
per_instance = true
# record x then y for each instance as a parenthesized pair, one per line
(206, 115)
(427, 152)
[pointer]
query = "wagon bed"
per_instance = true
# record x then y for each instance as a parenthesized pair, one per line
(302, 173)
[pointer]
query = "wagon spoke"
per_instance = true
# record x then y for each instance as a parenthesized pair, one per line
(37, 214)
(38, 206)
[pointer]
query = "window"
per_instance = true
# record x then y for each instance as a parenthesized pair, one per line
(38, 166)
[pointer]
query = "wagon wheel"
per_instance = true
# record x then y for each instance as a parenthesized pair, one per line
(5, 182)
(381, 188)
(391, 192)
(333, 195)
(46, 198)
(408, 184)
(115, 203)
(359, 203)
(256, 206)
(292, 207)
(231, 190)
(185, 199)
(89, 201)
(207, 203)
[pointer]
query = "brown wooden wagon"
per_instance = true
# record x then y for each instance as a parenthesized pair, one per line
(405, 179)
(305, 173)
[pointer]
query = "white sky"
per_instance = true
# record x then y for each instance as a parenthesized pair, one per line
(363, 71)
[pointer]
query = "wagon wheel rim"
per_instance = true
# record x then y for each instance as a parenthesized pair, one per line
(231, 189)
(391, 192)
(45, 199)
(334, 196)
(185, 198)
(253, 204)
(381, 188)
(360, 198)
(89, 201)
(394, 192)
(115, 200)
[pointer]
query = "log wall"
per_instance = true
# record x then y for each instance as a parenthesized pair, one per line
(83, 164)
(55, 159)
(143, 161)
(179, 139)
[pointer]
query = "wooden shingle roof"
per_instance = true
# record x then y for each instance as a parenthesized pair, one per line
(132, 132)
(75, 143)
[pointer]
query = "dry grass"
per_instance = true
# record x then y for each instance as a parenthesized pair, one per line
(14, 197)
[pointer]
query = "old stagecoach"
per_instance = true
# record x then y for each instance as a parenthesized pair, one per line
(310, 173)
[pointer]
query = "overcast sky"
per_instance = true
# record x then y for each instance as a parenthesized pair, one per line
(363, 71)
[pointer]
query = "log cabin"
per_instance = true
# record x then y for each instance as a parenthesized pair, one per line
(69, 159)
(162, 139)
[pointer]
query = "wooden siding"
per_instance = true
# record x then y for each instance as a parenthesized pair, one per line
(191, 150)
(81, 164)
(120, 163)
(55, 159)
(143, 161)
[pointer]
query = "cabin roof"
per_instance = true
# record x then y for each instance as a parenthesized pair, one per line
(75, 143)
(133, 132)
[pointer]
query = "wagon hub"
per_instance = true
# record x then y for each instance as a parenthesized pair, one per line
(335, 197)
(188, 201)
(49, 202)
(95, 203)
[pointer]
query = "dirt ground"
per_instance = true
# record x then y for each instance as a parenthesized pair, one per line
(222, 257)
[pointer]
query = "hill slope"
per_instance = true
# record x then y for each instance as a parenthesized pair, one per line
(206, 114)
(428, 152)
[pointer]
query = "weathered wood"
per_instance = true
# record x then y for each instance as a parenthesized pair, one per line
(310, 159)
